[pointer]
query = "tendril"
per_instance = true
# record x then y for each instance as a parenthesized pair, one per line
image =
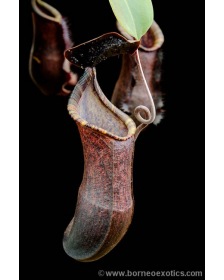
(138, 116)
(150, 113)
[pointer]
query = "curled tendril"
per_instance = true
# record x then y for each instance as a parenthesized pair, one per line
(150, 114)
(138, 116)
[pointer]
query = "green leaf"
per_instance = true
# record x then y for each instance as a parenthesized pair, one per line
(135, 16)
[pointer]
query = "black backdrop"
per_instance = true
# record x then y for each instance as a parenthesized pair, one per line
(167, 231)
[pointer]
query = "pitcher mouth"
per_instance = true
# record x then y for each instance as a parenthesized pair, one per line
(51, 13)
(158, 38)
(123, 127)
(155, 32)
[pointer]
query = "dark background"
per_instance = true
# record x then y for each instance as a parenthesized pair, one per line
(167, 231)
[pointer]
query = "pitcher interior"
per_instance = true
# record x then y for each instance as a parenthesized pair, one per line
(95, 112)
(148, 39)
